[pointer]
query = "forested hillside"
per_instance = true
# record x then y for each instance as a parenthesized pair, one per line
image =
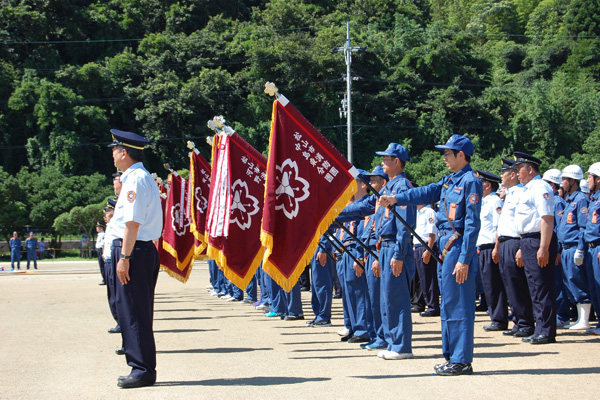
(519, 74)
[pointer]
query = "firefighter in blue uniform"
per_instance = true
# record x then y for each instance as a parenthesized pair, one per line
(15, 245)
(570, 232)
(534, 217)
(322, 284)
(356, 294)
(592, 239)
(137, 223)
(396, 258)
(458, 226)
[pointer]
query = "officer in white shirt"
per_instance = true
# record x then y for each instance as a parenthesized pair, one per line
(100, 226)
(507, 245)
(137, 223)
(535, 223)
(493, 287)
(426, 266)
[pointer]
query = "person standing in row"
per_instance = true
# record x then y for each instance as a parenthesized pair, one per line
(458, 227)
(592, 239)
(31, 244)
(15, 245)
(100, 226)
(535, 222)
(426, 266)
(137, 223)
(491, 279)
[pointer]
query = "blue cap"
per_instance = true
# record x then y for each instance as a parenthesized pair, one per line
(521, 157)
(395, 150)
(488, 176)
(361, 172)
(128, 139)
(378, 171)
(458, 143)
(507, 164)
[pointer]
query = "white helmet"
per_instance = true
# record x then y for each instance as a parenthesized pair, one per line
(552, 175)
(573, 172)
(585, 188)
(594, 169)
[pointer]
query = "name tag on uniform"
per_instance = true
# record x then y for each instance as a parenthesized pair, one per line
(594, 217)
(570, 218)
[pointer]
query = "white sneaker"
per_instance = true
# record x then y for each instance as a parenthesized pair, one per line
(343, 332)
(227, 297)
(233, 299)
(261, 306)
(209, 287)
(214, 293)
(392, 355)
(381, 353)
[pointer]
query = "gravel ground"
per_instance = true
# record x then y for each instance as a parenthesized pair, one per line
(55, 345)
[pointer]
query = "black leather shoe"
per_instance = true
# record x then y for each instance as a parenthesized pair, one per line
(454, 369)
(417, 309)
(116, 329)
(358, 339)
(129, 382)
(430, 313)
(542, 339)
(527, 339)
(521, 333)
(510, 333)
(293, 317)
(494, 327)
(346, 338)
(120, 352)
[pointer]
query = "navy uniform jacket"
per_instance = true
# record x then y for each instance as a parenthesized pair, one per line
(15, 243)
(359, 212)
(386, 225)
(572, 225)
(592, 229)
(31, 243)
(460, 201)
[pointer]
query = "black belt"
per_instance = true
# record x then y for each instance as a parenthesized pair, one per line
(568, 246)
(505, 238)
(593, 244)
(418, 245)
(384, 237)
(534, 235)
(119, 242)
(389, 243)
(486, 246)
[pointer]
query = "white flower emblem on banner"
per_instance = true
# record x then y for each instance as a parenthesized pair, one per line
(243, 205)
(201, 202)
(179, 220)
(292, 189)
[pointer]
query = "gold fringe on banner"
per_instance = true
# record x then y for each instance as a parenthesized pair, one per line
(241, 282)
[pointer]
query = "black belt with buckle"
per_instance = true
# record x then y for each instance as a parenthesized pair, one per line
(505, 238)
(593, 244)
(486, 246)
(532, 235)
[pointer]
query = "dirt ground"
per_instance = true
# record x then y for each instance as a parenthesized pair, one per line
(55, 345)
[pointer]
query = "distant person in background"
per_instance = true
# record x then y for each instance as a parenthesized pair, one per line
(15, 251)
(42, 248)
(31, 244)
(100, 225)
(84, 249)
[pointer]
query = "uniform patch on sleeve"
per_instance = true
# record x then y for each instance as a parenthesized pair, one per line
(499, 210)
(546, 196)
(430, 220)
(474, 198)
(584, 210)
(130, 196)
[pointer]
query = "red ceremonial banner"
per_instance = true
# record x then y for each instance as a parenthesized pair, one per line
(198, 192)
(168, 263)
(308, 184)
(239, 253)
(177, 238)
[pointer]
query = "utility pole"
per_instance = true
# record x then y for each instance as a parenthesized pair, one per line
(348, 50)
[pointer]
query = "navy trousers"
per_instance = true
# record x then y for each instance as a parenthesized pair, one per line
(541, 282)
(374, 286)
(111, 288)
(515, 284)
(493, 287)
(135, 307)
(428, 278)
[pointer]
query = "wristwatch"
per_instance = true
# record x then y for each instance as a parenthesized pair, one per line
(124, 257)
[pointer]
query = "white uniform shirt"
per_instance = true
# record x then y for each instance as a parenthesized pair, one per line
(426, 224)
(139, 202)
(109, 236)
(491, 207)
(100, 240)
(536, 201)
(507, 225)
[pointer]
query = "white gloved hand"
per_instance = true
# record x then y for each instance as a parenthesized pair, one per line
(578, 258)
